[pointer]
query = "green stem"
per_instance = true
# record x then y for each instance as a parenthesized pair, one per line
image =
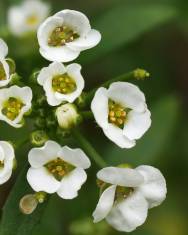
(88, 148)
(139, 74)
(87, 115)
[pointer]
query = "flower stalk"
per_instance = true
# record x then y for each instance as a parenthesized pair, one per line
(88, 148)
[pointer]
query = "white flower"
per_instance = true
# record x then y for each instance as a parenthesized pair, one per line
(26, 17)
(122, 113)
(128, 194)
(14, 103)
(61, 84)
(63, 36)
(67, 116)
(5, 76)
(57, 169)
(6, 161)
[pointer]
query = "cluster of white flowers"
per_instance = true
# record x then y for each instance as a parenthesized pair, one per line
(121, 111)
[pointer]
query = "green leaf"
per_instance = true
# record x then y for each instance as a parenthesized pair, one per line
(165, 116)
(13, 221)
(126, 23)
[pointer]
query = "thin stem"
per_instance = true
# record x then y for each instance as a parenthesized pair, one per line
(87, 115)
(88, 148)
(139, 74)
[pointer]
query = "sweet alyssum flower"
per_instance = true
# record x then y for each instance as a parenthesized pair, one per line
(127, 194)
(64, 35)
(5, 76)
(14, 103)
(122, 113)
(26, 17)
(57, 169)
(67, 116)
(6, 161)
(61, 83)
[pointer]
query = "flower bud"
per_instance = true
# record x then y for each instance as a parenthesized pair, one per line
(28, 204)
(67, 116)
(141, 74)
(38, 138)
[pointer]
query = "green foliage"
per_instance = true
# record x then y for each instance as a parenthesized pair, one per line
(125, 23)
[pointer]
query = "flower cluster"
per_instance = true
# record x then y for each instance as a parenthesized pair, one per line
(120, 110)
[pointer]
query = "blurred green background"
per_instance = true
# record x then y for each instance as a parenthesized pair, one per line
(136, 33)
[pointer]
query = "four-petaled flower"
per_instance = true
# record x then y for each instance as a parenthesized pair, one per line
(64, 35)
(27, 17)
(127, 194)
(6, 161)
(5, 76)
(57, 169)
(61, 83)
(14, 103)
(122, 113)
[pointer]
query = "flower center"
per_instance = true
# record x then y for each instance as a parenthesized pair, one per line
(63, 84)
(59, 168)
(116, 114)
(32, 20)
(2, 72)
(1, 164)
(12, 108)
(62, 35)
(122, 193)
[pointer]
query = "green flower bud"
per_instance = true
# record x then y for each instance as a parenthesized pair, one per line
(40, 122)
(141, 74)
(39, 137)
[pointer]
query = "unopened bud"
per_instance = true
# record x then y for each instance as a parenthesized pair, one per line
(124, 165)
(40, 196)
(141, 74)
(38, 138)
(67, 116)
(28, 204)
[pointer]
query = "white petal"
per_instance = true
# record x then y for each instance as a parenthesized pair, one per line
(154, 188)
(121, 176)
(3, 49)
(46, 28)
(137, 124)
(127, 215)
(40, 156)
(16, 21)
(105, 204)
(50, 94)
(87, 42)
(41, 180)
(115, 134)
(128, 95)
(60, 54)
(75, 20)
(71, 184)
(8, 157)
(6, 69)
(99, 107)
(75, 157)
(53, 69)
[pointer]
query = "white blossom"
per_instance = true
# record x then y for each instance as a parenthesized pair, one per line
(64, 35)
(61, 83)
(122, 113)
(5, 76)
(27, 17)
(15, 102)
(128, 194)
(6, 161)
(56, 169)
